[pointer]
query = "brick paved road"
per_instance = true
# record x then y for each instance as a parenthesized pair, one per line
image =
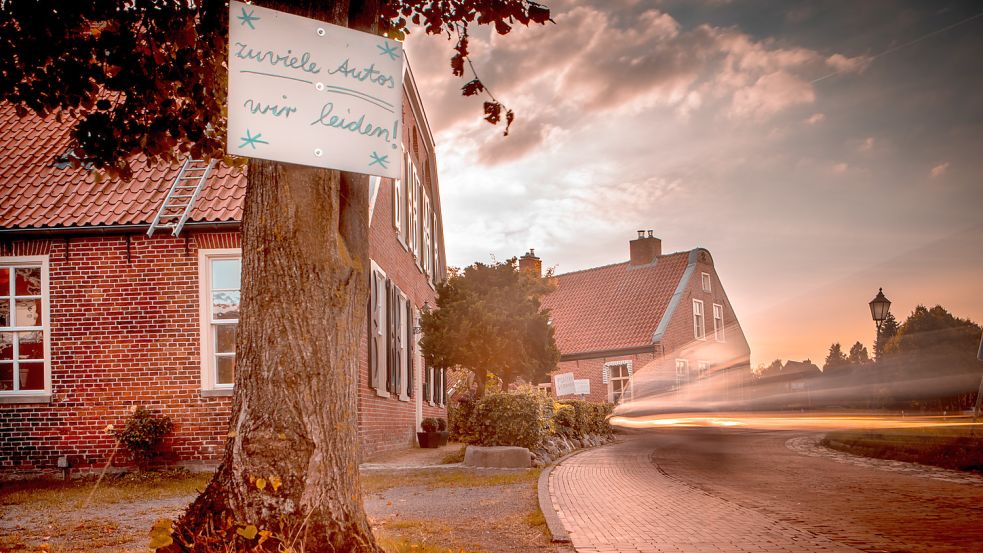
(708, 491)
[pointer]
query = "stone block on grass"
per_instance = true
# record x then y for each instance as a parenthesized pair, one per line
(502, 457)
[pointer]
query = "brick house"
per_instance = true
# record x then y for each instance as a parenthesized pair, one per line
(656, 323)
(96, 316)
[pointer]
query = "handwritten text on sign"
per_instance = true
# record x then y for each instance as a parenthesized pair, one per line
(308, 92)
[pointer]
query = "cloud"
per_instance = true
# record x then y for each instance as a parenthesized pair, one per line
(840, 168)
(771, 94)
(939, 170)
(843, 64)
(867, 145)
(815, 119)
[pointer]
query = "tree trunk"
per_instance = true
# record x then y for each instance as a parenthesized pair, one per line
(290, 466)
(481, 381)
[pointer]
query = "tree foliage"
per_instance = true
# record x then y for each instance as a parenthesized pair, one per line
(489, 319)
(148, 78)
(887, 330)
(835, 359)
(858, 354)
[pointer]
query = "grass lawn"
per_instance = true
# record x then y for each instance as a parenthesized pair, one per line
(955, 448)
(446, 478)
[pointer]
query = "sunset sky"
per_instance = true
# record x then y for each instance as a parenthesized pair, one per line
(819, 150)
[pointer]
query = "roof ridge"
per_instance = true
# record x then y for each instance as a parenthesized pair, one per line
(609, 265)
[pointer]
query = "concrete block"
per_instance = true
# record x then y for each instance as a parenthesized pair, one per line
(503, 457)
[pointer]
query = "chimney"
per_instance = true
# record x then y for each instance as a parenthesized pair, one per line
(644, 249)
(531, 264)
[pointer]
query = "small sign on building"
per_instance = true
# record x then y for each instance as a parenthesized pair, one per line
(581, 386)
(308, 92)
(564, 384)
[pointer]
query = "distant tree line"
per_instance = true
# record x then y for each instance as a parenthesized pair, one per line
(926, 363)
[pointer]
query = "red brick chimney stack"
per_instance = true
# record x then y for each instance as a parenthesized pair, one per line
(645, 249)
(531, 264)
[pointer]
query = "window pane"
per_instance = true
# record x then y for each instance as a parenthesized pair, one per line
(4, 281)
(31, 345)
(225, 305)
(6, 376)
(226, 274)
(6, 346)
(28, 281)
(225, 338)
(27, 313)
(616, 385)
(4, 311)
(31, 376)
(225, 369)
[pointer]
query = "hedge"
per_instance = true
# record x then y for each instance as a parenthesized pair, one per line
(524, 419)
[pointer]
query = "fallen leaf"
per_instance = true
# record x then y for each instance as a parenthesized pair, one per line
(275, 482)
(261, 483)
(248, 532)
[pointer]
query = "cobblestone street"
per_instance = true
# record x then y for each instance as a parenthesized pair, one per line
(704, 490)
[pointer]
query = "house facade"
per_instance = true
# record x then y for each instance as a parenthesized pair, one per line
(97, 317)
(658, 326)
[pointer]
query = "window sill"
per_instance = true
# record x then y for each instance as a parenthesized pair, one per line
(25, 398)
(404, 398)
(381, 393)
(218, 392)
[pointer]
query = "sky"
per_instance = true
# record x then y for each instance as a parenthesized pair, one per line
(818, 150)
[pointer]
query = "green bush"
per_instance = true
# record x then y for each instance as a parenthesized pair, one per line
(142, 434)
(441, 425)
(460, 416)
(577, 418)
(517, 419)
(430, 424)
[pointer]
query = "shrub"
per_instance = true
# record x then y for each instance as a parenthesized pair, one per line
(461, 418)
(519, 419)
(578, 418)
(430, 424)
(142, 434)
(441, 425)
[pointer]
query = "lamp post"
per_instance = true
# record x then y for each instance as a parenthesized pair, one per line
(879, 307)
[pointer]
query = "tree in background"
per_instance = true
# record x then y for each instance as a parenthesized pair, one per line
(835, 359)
(887, 330)
(774, 369)
(148, 79)
(858, 354)
(489, 320)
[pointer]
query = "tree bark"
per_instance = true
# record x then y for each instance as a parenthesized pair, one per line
(291, 460)
(290, 464)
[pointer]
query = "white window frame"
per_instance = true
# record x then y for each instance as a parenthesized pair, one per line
(702, 369)
(699, 321)
(706, 282)
(30, 396)
(415, 208)
(209, 386)
(404, 357)
(627, 392)
(374, 184)
(380, 307)
(682, 372)
(718, 323)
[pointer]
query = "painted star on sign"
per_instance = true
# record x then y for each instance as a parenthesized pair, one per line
(383, 161)
(387, 49)
(251, 140)
(247, 18)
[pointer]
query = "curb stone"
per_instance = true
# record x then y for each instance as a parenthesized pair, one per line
(558, 533)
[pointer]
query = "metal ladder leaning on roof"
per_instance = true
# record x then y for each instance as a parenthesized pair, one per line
(180, 199)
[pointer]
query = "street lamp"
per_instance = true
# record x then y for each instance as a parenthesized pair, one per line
(878, 309)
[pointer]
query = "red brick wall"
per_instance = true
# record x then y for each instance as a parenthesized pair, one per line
(124, 332)
(593, 369)
(388, 423)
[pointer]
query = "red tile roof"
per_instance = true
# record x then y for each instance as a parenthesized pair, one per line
(36, 194)
(615, 306)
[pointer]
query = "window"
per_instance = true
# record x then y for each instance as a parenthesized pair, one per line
(415, 208)
(718, 322)
(699, 331)
(427, 247)
(378, 336)
(374, 184)
(398, 200)
(706, 282)
(220, 281)
(682, 372)
(25, 346)
(618, 378)
(702, 369)
(404, 331)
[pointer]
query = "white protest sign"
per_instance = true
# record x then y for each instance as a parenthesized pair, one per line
(582, 386)
(563, 384)
(308, 92)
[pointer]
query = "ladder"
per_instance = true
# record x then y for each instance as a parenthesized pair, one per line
(181, 197)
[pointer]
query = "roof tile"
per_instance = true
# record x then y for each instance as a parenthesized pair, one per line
(36, 194)
(615, 306)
